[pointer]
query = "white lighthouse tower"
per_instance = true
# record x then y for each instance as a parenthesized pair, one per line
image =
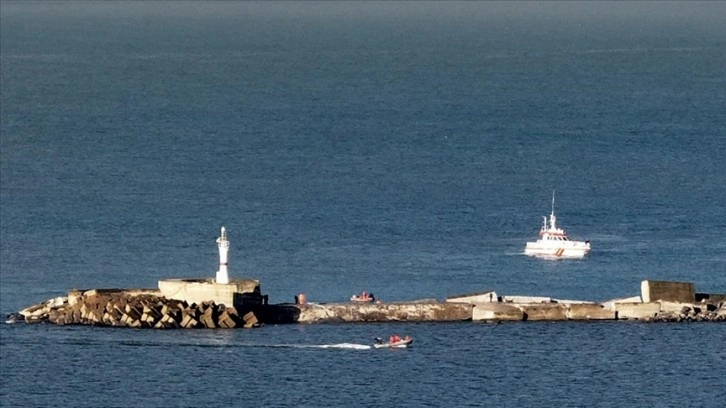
(223, 245)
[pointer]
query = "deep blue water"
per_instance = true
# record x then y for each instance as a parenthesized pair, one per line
(408, 149)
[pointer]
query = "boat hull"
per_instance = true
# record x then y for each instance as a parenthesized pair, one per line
(579, 251)
(400, 344)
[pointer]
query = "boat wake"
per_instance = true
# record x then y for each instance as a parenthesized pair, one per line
(211, 344)
(351, 346)
(348, 346)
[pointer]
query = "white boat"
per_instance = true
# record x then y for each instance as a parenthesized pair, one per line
(363, 297)
(553, 242)
(403, 343)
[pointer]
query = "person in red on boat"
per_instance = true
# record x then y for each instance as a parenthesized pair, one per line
(395, 338)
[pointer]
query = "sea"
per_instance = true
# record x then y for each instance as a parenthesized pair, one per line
(409, 149)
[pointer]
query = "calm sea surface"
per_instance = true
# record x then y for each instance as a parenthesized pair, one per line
(408, 149)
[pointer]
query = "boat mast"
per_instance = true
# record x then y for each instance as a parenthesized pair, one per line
(552, 215)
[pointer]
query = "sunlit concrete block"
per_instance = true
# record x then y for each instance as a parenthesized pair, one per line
(496, 312)
(545, 311)
(585, 311)
(652, 291)
(636, 310)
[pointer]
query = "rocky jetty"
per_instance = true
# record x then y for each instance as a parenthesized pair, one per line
(134, 309)
(150, 308)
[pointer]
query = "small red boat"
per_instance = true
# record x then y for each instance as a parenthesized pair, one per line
(363, 297)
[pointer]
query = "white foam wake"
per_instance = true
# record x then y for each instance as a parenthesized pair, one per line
(352, 346)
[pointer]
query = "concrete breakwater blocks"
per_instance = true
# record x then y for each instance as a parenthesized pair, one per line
(384, 312)
(610, 304)
(135, 309)
(585, 311)
(540, 312)
(478, 297)
(637, 311)
(677, 307)
(526, 299)
(652, 291)
(202, 303)
(543, 311)
(496, 312)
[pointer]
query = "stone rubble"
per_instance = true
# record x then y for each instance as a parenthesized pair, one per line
(705, 313)
(128, 309)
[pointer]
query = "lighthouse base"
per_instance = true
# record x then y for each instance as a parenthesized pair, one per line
(206, 290)
(222, 278)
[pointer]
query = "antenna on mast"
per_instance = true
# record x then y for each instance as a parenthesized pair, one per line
(553, 219)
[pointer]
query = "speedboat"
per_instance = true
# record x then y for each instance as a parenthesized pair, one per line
(402, 343)
(554, 243)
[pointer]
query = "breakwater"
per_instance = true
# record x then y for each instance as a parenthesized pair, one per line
(149, 308)
(135, 309)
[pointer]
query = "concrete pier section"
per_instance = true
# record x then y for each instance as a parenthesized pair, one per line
(385, 312)
(496, 312)
(666, 301)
